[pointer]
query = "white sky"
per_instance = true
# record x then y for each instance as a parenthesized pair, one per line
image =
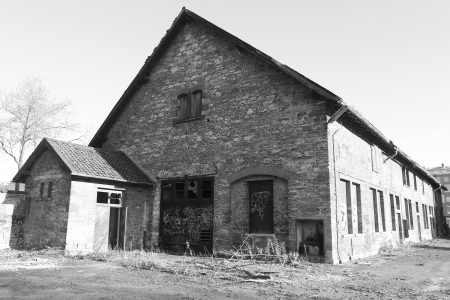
(388, 59)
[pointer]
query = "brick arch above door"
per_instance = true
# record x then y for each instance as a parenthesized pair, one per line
(260, 170)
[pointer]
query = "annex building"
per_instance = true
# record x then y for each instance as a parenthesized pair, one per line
(214, 142)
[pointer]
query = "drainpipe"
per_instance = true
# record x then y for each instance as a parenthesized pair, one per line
(392, 156)
(334, 118)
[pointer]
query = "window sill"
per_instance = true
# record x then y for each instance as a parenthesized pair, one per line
(178, 121)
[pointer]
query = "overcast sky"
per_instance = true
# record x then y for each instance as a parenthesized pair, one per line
(388, 59)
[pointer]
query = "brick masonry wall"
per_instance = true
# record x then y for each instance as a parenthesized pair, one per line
(46, 221)
(83, 212)
(353, 162)
(254, 115)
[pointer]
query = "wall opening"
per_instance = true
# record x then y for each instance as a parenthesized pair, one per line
(261, 206)
(187, 214)
(310, 238)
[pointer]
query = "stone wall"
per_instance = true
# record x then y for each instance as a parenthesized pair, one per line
(253, 116)
(351, 160)
(46, 215)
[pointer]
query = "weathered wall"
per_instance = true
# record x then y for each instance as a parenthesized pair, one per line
(6, 221)
(254, 115)
(12, 219)
(351, 160)
(46, 219)
(83, 211)
(240, 208)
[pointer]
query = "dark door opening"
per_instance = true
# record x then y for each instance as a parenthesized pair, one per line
(114, 228)
(186, 220)
(310, 237)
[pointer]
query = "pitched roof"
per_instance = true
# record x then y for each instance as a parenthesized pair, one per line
(350, 115)
(89, 162)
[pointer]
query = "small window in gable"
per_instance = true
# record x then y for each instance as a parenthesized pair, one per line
(50, 189)
(190, 106)
(41, 190)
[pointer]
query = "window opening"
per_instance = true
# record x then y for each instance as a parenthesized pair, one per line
(411, 221)
(190, 105)
(41, 191)
(383, 219)
(375, 209)
(391, 198)
(50, 189)
(348, 201)
(358, 206)
(113, 198)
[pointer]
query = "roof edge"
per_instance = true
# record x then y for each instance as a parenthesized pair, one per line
(184, 15)
(44, 144)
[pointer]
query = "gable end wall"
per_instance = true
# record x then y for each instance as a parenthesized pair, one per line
(254, 116)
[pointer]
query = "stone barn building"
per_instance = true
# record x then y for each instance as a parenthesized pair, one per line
(213, 142)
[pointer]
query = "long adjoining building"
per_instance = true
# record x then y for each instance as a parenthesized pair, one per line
(214, 142)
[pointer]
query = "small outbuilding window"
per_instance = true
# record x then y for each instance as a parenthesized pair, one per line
(113, 198)
(190, 106)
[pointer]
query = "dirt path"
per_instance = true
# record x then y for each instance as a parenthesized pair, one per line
(419, 272)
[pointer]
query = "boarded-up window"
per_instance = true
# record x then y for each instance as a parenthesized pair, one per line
(260, 206)
(358, 206)
(375, 209)
(190, 105)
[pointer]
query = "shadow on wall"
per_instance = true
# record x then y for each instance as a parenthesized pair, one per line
(12, 217)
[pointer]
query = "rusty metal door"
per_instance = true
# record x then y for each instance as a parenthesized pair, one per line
(261, 206)
(186, 220)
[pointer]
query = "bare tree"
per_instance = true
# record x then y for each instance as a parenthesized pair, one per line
(27, 115)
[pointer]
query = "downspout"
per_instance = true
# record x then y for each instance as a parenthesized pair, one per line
(392, 156)
(334, 118)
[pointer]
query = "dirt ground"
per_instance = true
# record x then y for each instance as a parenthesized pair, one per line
(420, 271)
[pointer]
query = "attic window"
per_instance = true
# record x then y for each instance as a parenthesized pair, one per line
(190, 106)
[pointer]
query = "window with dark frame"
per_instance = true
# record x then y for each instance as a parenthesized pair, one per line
(411, 221)
(383, 217)
(415, 182)
(375, 209)
(391, 198)
(50, 189)
(109, 197)
(358, 206)
(190, 105)
(348, 201)
(405, 177)
(407, 214)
